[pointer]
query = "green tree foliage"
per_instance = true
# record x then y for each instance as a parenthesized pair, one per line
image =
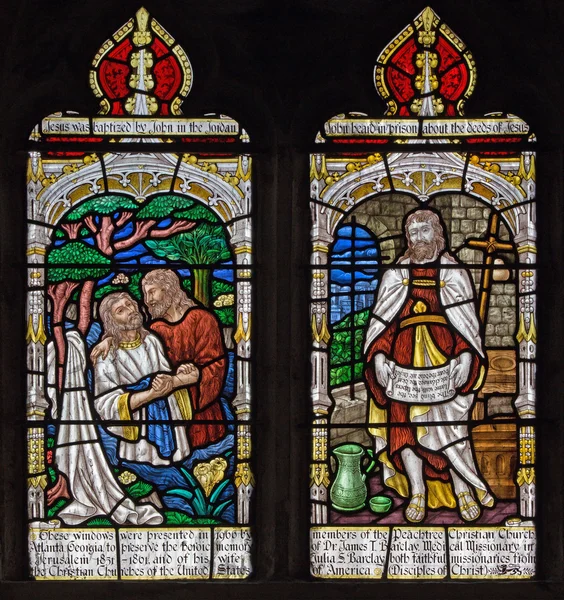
(360, 320)
(165, 206)
(81, 255)
(226, 315)
(197, 213)
(176, 207)
(175, 517)
(342, 351)
(340, 375)
(102, 205)
(187, 285)
(222, 287)
(358, 339)
(204, 245)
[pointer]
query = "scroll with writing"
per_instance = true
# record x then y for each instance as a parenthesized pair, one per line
(420, 386)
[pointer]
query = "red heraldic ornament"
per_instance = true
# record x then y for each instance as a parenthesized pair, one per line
(141, 70)
(426, 70)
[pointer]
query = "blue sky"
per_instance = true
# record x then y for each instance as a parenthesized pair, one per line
(360, 242)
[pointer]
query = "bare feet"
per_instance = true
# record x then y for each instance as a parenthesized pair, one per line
(469, 509)
(415, 511)
(59, 490)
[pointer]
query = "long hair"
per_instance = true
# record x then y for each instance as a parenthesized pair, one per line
(425, 216)
(111, 328)
(169, 281)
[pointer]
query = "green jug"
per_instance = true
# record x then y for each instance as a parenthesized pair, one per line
(348, 492)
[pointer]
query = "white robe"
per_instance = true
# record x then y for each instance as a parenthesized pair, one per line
(452, 438)
(79, 454)
(127, 366)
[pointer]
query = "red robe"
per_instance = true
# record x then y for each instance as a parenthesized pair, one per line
(397, 343)
(197, 338)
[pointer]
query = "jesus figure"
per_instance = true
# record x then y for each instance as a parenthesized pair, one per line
(126, 389)
(193, 344)
(425, 317)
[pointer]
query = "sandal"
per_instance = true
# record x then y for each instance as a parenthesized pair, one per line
(464, 505)
(416, 506)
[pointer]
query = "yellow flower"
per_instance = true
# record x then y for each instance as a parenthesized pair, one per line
(127, 477)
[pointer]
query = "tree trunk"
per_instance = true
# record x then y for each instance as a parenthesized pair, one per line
(202, 286)
(84, 306)
(60, 294)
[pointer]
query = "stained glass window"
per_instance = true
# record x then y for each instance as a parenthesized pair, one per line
(423, 347)
(139, 328)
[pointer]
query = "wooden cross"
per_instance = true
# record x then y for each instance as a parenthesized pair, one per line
(490, 246)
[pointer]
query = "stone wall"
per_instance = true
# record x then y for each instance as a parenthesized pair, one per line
(384, 217)
(349, 410)
(501, 324)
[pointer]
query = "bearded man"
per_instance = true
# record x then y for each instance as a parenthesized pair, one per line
(424, 321)
(194, 346)
(127, 390)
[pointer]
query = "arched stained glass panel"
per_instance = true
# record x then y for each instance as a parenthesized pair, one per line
(139, 328)
(423, 392)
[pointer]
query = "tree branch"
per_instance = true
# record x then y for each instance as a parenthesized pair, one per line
(142, 229)
(72, 229)
(177, 227)
(60, 294)
(89, 221)
(124, 218)
(84, 303)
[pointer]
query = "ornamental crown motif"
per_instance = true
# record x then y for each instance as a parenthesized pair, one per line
(426, 70)
(141, 70)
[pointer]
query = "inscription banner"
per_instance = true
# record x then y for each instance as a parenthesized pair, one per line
(348, 552)
(417, 552)
(138, 126)
(421, 552)
(491, 552)
(165, 554)
(425, 128)
(232, 553)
